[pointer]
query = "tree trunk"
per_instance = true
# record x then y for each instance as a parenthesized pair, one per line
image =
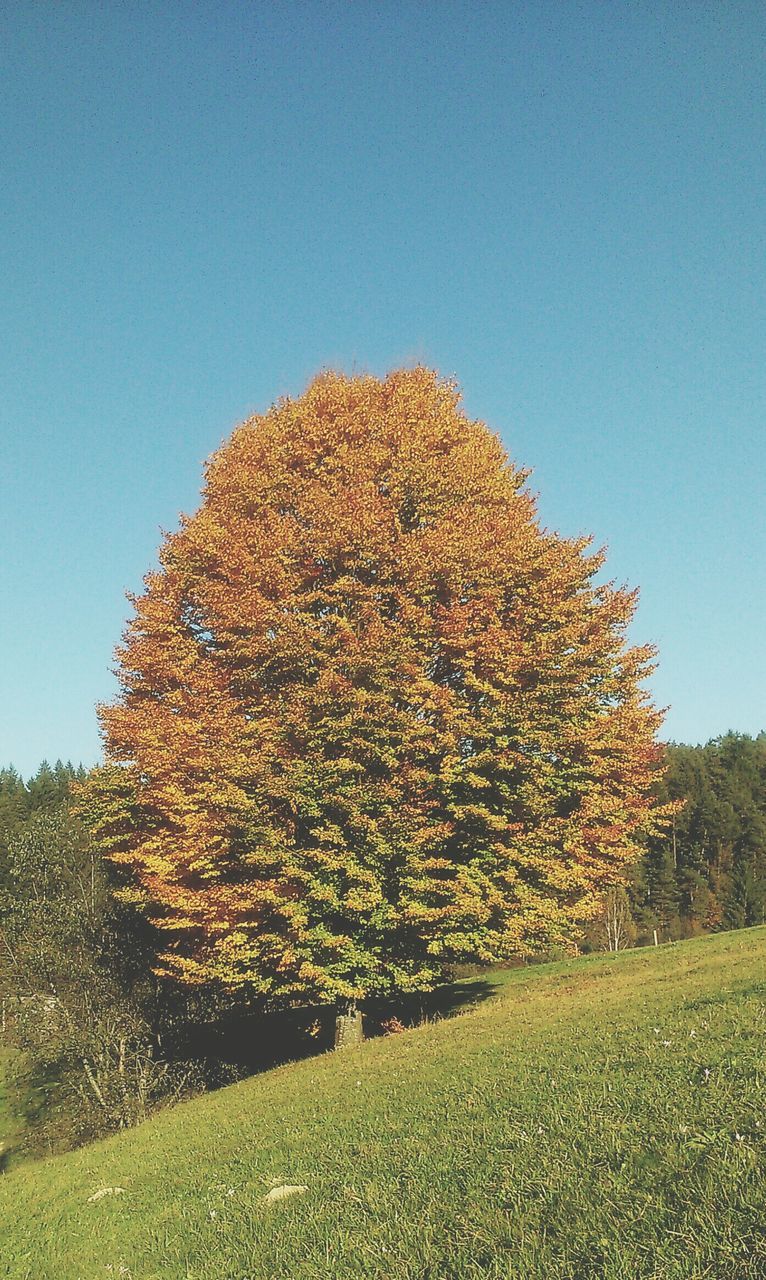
(348, 1026)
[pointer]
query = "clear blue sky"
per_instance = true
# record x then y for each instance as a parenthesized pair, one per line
(204, 204)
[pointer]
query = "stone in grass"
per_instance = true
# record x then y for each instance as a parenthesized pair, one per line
(281, 1193)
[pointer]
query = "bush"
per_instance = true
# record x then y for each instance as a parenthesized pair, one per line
(83, 1010)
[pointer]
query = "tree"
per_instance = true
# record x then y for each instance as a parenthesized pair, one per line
(49, 786)
(746, 900)
(708, 870)
(662, 891)
(73, 982)
(14, 809)
(614, 928)
(46, 790)
(375, 719)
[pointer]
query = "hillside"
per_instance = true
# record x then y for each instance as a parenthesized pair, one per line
(599, 1117)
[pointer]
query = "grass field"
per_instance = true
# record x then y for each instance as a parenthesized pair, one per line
(595, 1118)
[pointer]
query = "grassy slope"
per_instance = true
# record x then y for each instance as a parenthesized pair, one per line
(600, 1117)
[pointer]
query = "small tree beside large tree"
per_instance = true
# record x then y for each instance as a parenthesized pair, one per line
(375, 719)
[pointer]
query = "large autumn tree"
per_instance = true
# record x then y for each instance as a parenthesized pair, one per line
(375, 719)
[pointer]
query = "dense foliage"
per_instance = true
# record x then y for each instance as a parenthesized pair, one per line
(709, 871)
(45, 791)
(78, 998)
(377, 720)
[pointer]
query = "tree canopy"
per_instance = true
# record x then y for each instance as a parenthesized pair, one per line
(374, 719)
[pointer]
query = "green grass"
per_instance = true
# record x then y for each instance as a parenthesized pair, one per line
(595, 1118)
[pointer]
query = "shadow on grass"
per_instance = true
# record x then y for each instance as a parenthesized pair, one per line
(240, 1043)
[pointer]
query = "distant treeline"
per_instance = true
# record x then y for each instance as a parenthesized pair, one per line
(708, 870)
(19, 800)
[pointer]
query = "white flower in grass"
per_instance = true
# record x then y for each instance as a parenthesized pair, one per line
(281, 1193)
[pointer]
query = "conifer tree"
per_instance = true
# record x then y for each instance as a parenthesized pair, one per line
(374, 717)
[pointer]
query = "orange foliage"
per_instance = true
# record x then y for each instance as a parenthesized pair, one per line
(376, 719)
